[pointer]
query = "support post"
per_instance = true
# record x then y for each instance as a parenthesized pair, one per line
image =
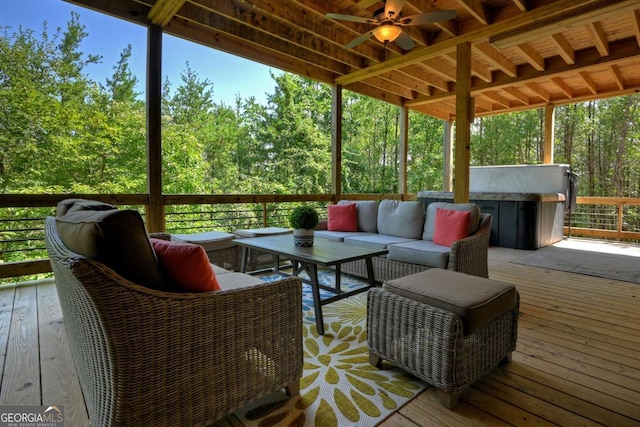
(447, 170)
(549, 125)
(155, 208)
(403, 152)
(336, 142)
(464, 117)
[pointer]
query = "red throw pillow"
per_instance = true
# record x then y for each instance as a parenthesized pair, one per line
(186, 265)
(342, 217)
(451, 225)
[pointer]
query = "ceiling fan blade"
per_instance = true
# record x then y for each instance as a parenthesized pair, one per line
(351, 18)
(392, 8)
(404, 41)
(361, 39)
(428, 17)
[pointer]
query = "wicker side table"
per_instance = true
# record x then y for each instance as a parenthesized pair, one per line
(218, 245)
(258, 260)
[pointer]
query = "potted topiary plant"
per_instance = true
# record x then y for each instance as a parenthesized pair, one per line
(303, 220)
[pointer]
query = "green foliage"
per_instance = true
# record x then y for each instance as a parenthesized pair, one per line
(303, 217)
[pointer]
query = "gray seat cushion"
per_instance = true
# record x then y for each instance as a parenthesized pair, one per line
(423, 252)
(430, 220)
(401, 219)
(376, 241)
(476, 300)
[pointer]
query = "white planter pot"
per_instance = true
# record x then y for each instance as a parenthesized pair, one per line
(303, 237)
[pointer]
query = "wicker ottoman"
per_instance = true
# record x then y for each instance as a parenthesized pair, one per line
(218, 245)
(446, 328)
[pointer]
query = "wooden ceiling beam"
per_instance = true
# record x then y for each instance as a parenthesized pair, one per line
(260, 27)
(535, 87)
(499, 99)
(586, 78)
(617, 77)
(599, 37)
(563, 48)
(517, 95)
(558, 7)
(521, 4)
(564, 88)
(530, 55)
(580, 14)
(476, 9)
(489, 53)
(477, 69)
(636, 24)
(621, 51)
(163, 10)
(450, 28)
(132, 12)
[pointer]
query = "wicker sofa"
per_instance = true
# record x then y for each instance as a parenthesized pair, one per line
(152, 357)
(406, 229)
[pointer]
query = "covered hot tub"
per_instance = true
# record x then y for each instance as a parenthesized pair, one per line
(528, 203)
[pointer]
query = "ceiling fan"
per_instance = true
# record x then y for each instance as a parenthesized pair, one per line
(389, 22)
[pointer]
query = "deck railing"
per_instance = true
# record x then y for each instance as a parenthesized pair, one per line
(23, 255)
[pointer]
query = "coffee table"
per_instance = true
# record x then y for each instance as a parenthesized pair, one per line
(323, 253)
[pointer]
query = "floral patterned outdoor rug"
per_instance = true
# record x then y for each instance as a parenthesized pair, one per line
(339, 387)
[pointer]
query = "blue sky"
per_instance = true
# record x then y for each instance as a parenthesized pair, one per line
(108, 37)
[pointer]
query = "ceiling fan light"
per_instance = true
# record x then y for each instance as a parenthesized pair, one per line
(387, 33)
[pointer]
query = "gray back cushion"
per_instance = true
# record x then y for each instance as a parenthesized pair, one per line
(401, 219)
(430, 222)
(117, 238)
(366, 214)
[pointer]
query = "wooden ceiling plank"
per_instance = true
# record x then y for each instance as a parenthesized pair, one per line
(617, 77)
(530, 55)
(163, 10)
(564, 88)
(563, 48)
(259, 25)
(492, 55)
(132, 12)
(558, 7)
(518, 95)
(599, 37)
(539, 91)
(586, 78)
(579, 15)
(476, 9)
(636, 24)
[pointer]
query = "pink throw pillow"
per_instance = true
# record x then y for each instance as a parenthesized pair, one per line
(451, 225)
(186, 265)
(342, 217)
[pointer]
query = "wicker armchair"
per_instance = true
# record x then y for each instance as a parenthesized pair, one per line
(152, 358)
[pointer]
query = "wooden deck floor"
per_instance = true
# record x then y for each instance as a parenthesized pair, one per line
(577, 361)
